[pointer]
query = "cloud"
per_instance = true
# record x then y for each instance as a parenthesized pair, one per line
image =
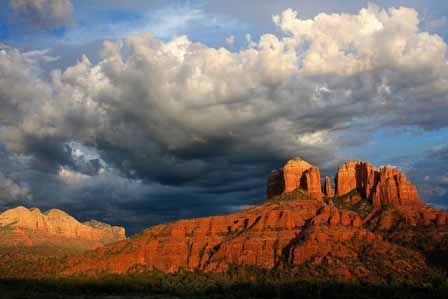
(437, 23)
(444, 180)
(12, 190)
(167, 22)
(314, 81)
(44, 14)
(230, 40)
(176, 106)
(182, 122)
(164, 21)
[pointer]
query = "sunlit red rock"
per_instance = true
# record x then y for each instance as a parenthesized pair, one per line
(293, 173)
(312, 183)
(297, 173)
(31, 227)
(328, 190)
(356, 175)
(383, 187)
(395, 189)
(298, 228)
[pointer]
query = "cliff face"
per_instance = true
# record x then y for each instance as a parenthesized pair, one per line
(386, 186)
(296, 173)
(30, 227)
(349, 235)
(356, 175)
(293, 174)
(382, 186)
(328, 190)
(276, 183)
(394, 188)
(368, 232)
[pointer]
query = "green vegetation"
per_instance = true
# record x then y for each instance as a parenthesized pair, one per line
(293, 195)
(249, 282)
(353, 201)
(430, 242)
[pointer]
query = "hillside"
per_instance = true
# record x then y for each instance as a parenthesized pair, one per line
(369, 229)
(32, 241)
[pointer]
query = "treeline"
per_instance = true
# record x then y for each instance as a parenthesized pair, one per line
(240, 283)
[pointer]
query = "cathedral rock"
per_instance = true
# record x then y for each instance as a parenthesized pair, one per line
(383, 186)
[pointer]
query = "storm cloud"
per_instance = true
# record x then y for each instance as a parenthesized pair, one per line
(182, 129)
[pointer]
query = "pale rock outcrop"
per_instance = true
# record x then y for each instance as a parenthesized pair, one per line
(55, 226)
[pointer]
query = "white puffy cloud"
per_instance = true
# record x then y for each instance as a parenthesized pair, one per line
(325, 73)
(44, 13)
(346, 44)
(213, 121)
(230, 40)
(322, 83)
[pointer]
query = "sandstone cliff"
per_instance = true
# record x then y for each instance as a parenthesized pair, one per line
(368, 232)
(328, 190)
(384, 186)
(30, 227)
(349, 234)
(296, 173)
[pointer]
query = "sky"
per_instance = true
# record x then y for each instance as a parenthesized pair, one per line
(141, 112)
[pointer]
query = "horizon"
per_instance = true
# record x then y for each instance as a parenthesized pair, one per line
(136, 114)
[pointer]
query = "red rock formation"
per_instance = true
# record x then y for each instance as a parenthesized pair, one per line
(327, 187)
(395, 189)
(273, 234)
(356, 175)
(401, 218)
(312, 183)
(276, 183)
(296, 173)
(383, 187)
(293, 173)
(32, 227)
(253, 237)
(287, 232)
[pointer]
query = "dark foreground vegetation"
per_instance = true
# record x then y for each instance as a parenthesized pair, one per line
(246, 284)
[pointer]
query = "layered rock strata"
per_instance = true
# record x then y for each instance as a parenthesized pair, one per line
(31, 227)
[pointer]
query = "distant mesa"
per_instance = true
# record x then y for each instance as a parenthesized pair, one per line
(31, 227)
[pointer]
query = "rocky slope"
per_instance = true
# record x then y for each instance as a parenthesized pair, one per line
(22, 227)
(369, 231)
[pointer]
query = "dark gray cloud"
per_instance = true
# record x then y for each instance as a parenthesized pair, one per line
(43, 14)
(429, 172)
